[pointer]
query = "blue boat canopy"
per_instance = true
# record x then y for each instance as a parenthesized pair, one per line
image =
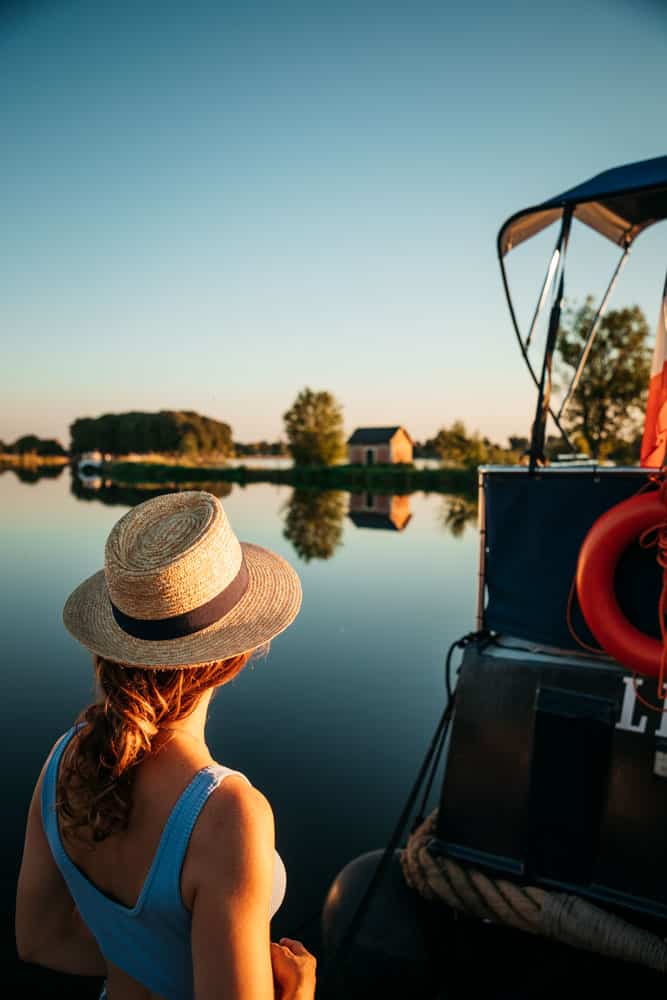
(619, 204)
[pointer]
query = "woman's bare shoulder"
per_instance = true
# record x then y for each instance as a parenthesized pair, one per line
(235, 808)
(233, 836)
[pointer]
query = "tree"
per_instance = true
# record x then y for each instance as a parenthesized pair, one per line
(606, 412)
(452, 443)
(518, 444)
(176, 432)
(31, 444)
(314, 429)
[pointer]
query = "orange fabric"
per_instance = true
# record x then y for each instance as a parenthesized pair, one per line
(654, 441)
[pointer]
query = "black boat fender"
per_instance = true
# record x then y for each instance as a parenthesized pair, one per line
(390, 952)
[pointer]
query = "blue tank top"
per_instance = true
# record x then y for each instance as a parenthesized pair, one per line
(151, 940)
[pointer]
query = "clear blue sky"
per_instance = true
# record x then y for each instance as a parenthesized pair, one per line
(209, 205)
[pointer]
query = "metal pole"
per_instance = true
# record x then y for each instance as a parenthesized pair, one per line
(583, 357)
(481, 565)
(548, 278)
(522, 346)
(544, 391)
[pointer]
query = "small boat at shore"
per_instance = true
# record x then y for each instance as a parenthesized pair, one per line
(89, 463)
(546, 858)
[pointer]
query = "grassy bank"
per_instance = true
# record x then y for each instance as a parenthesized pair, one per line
(354, 478)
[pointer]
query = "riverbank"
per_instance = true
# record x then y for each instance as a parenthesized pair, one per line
(399, 479)
(29, 460)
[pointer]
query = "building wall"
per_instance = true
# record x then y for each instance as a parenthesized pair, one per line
(401, 447)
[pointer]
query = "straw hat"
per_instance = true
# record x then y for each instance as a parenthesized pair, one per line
(178, 588)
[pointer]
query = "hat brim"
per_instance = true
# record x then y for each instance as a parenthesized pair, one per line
(271, 601)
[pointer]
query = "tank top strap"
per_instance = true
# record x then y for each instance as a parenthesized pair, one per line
(49, 792)
(164, 890)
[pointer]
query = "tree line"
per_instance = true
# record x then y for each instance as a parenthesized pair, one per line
(177, 432)
(30, 444)
(604, 419)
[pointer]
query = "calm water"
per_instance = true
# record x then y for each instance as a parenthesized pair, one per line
(331, 726)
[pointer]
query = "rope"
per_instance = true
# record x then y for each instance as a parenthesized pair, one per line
(657, 536)
(559, 916)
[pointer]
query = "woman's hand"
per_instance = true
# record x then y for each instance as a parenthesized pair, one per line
(293, 970)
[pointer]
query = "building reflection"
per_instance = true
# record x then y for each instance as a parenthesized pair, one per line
(314, 522)
(377, 510)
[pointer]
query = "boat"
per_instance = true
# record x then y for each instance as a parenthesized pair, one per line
(89, 463)
(553, 739)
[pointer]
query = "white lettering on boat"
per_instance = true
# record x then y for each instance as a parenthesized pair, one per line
(628, 708)
(626, 721)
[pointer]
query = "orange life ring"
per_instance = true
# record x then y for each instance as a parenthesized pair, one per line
(602, 548)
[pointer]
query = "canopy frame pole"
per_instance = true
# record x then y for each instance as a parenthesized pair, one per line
(522, 347)
(595, 325)
(546, 287)
(544, 389)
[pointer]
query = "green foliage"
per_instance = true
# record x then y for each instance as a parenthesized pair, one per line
(314, 429)
(606, 414)
(30, 444)
(176, 432)
(456, 446)
(260, 448)
(129, 495)
(314, 522)
(456, 513)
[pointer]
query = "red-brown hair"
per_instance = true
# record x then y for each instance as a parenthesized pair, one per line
(97, 771)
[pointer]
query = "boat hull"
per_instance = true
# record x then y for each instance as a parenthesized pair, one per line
(556, 776)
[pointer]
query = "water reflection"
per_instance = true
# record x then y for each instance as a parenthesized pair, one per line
(456, 512)
(112, 494)
(314, 518)
(314, 522)
(333, 681)
(32, 474)
(387, 513)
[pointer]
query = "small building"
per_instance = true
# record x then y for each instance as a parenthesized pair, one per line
(379, 446)
(388, 513)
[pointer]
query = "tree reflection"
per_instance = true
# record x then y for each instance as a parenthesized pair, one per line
(456, 512)
(33, 473)
(115, 494)
(314, 522)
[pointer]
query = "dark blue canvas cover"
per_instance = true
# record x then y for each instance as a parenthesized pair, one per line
(618, 203)
(535, 526)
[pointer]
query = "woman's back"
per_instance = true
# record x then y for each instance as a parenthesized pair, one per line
(136, 889)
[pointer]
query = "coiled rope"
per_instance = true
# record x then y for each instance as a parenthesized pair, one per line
(559, 916)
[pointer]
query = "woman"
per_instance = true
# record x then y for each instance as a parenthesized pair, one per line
(145, 861)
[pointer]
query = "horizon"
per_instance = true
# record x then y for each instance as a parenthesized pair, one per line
(209, 209)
